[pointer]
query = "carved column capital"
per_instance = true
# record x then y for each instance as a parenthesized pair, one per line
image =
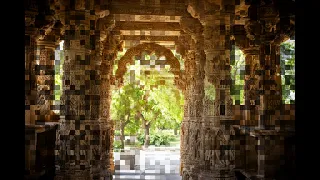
(183, 44)
(191, 25)
(30, 18)
(253, 29)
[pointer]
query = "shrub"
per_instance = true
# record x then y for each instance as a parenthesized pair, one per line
(117, 132)
(117, 144)
(171, 137)
(157, 139)
(140, 138)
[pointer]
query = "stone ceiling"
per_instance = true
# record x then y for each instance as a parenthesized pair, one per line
(140, 21)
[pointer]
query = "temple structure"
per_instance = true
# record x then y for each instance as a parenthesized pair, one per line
(219, 139)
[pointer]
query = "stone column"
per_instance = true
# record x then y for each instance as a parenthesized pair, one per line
(252, 105)
(184, 46)
(251, 88)
(270, 100)
(270, 97)
(188, 111)
(31, 35)
(34, 27)
(30, 77)
(79, 147)
(194, 153)
(30, 89)
(45, 71)
(217, 46)
(266, 33)
(111, 46)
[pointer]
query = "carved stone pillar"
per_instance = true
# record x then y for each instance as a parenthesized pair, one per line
(31, 33)
(188, 111)
(45, 71)
(217, 49)
(270, 101)
(79, 148)
(219, 155)
(194, 154)
(30, 100)
(270, 79)
(270, 98)
(251, 88)
(188, 55)
(30, 79)
(34, 25)
(111, 47)
(266, 32)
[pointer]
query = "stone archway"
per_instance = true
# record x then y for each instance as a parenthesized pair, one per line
(151, 48)
(157, 50)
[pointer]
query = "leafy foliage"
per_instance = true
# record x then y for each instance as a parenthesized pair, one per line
(149, 99)
(117, 144)
(59, 60)
(237, 75)
(156, 139)
(124, 102)
(287, 63)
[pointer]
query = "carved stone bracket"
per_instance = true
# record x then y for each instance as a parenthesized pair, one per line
(253, 29)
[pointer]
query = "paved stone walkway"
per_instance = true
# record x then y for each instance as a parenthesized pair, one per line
(153, 164)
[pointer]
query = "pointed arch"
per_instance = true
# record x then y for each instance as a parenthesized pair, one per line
(150, 48)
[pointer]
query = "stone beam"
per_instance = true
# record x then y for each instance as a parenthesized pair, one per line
(137, 9)
(146, 32)
(130, 43)
(146, 18)
(121, 25)
(149, 38)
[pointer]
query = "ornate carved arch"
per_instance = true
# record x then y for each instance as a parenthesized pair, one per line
(151, 48)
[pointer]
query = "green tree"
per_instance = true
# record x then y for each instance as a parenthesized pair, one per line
(287, 63)
(147, 112)
(122, 109)
(237, 75)
(157, 102)
(170, 101)
(161, 105)
(58, 68)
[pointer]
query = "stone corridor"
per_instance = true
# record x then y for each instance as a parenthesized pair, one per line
(71, 138)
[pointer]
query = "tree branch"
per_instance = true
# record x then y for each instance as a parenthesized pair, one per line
(128, 120)
(155, 117)
(139, 114)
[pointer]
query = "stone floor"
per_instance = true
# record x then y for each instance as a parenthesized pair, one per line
(153, 164)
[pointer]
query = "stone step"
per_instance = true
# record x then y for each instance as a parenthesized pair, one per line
(145, 177)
